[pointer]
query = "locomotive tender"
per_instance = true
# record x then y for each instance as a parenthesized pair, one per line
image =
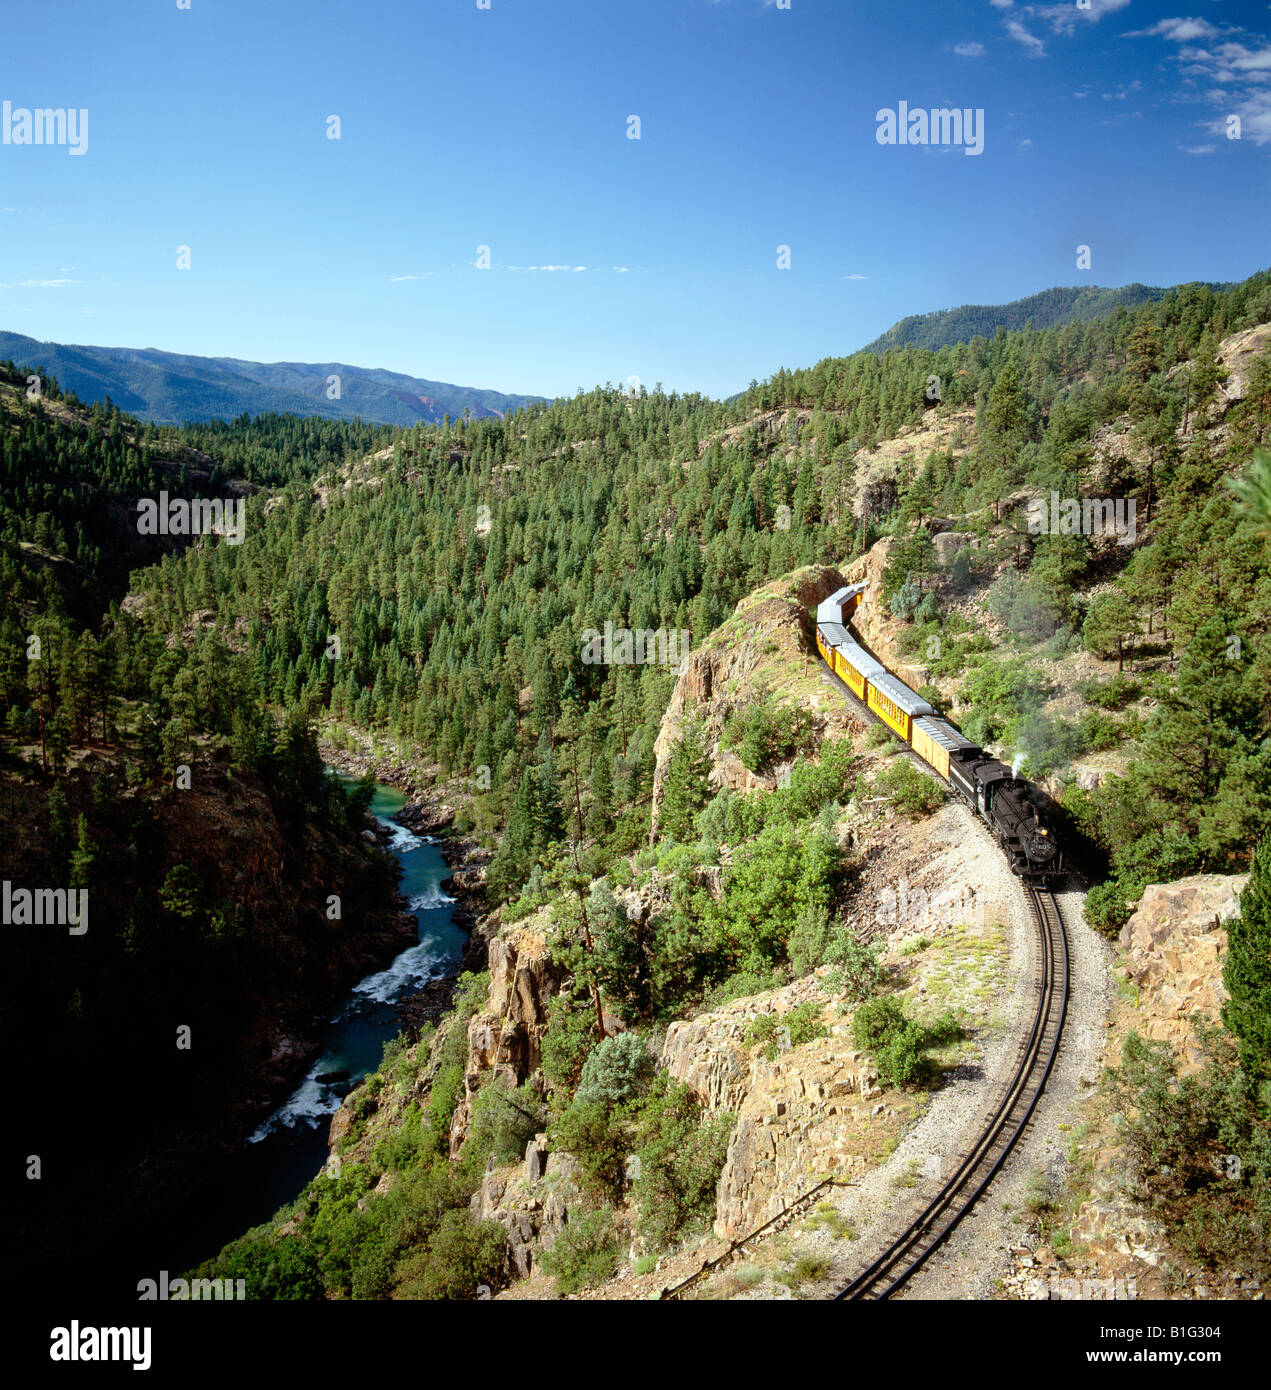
(1012, 807)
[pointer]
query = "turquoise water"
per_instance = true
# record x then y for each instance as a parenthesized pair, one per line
(290, 1146)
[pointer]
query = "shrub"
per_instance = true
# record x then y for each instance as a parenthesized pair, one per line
(584, 1254)
(877, 1019)
(462, 1255)
(1200, 1150)
(617, 1071)
(909, 790)
(877, 735)
(928, 610)
(794, 1028)
(504, 1120)
(1114, 693)
(905, 601)
(568, 1038)
(809, 938)
(681, 1155)
(857, 970)
(599, 1140)
(897, 1042)
(767, 732)
(1099, 732)
(1106, 907)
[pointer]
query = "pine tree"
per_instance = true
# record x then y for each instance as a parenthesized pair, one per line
(82, 859)
(1247, 970)
(686, 789)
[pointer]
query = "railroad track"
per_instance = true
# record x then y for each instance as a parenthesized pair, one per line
(912, 1245)
(916, 1242)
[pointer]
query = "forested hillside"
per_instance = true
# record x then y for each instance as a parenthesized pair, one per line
(439, 589)
(149, 774)
(1051, 308)
(461, 571)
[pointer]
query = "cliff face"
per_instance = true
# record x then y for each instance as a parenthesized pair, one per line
(504, 1039)
(1174, 946)
(803, 1114)
(764, 646)
(1176, 942)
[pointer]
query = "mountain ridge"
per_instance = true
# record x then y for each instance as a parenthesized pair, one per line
(1049, 308)
(171, 388)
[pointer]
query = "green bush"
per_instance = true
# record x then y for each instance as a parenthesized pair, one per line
(504, 1119)
(584, 1254)
(617, 1071)
(857, 969)
(462, 1255)
(797, 1026)
(567, 1040)
(809, 938)
(1099, 732)
(681, 1155)
(1199, 1148)
(765, 732)
(1114, 693)
(600, 1140)
(909, 790)
(898, 1043)
(877, 735)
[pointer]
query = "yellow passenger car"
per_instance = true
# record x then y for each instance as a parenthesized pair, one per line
(896, 705)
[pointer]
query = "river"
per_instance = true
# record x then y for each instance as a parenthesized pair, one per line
(290, 1145)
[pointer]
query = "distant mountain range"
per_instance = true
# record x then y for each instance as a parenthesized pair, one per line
(1050, 309)
(171, 388)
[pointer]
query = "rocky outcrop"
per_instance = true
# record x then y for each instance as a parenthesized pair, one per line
(1237, 354)
(504, 1039)
(1176, 941)
(765, 645)
(948, 543)
(799, 1115)
(532, 1203)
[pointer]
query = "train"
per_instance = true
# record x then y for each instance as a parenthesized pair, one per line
(1015, 810)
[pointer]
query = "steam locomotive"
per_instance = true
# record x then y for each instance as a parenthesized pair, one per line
(1014, 809)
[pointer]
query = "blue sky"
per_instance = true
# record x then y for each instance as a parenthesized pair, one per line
(507, 128)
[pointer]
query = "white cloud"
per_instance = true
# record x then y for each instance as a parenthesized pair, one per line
(38, 284)
(855, 276)
(1063, 19)
(1236, 71)
(1180, 30)
(1198, 149)
(969, 50)
(397, 279)
(1020, 34)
